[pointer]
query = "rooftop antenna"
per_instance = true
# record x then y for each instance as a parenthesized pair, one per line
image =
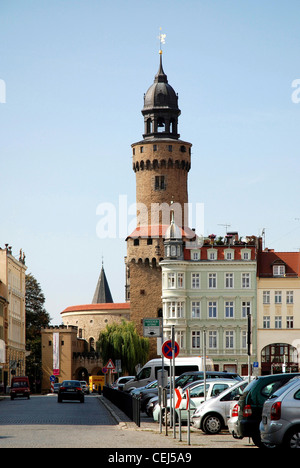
(226, 226)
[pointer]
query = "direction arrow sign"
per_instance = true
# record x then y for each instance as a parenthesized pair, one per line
(178, 397)
(168, 351)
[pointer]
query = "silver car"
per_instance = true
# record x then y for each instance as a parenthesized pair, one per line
(212, 415)
(280, 424)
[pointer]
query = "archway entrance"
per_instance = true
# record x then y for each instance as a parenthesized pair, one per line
(82, 374)
(279, 357)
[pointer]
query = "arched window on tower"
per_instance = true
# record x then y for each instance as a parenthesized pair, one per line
(161, 125)
(149, 126)
(92, 344)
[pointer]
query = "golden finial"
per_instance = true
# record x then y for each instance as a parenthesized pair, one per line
(162, 40)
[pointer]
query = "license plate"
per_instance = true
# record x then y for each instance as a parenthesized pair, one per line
(70, 390)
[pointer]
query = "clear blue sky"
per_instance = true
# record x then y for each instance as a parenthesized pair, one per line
(75, 73)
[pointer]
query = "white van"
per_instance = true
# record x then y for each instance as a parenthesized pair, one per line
(148, 373)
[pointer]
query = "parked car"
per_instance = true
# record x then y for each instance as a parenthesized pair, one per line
(212, 415)
(121, 381)
(85, 387)
(251, 404)
(57, 387)
(213, 388)
(232, 421)
(20, 387)
(70, 390)
(136, 391)
(280, 424)
(188, 377)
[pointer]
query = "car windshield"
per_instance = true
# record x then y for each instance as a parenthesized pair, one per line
(71, 383)
(19, 384)
(282, 389)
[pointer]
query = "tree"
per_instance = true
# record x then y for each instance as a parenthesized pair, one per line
(36, 318)
(121, 341)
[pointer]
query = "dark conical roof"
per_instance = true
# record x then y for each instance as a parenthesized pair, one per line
(160, 94)
(102, 293)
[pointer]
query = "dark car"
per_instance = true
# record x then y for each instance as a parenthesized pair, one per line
(251, 403)
(70, 390)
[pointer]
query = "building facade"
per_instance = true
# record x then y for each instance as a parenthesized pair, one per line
(12, 313)
(278, 306)
(208, 294)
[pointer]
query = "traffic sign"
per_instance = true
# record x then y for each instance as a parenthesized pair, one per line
(110, 365)
(52, 378)
(152, 327)
(178, 397)
(104, 370)
(168, 351)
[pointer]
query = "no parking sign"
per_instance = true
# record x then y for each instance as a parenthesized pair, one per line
(167, 349)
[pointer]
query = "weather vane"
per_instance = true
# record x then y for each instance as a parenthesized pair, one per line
(162, 40)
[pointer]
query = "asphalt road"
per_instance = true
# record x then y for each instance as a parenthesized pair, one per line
(43, 423)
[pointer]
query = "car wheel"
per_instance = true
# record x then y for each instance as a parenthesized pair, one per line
(212, 424)
(293, 440)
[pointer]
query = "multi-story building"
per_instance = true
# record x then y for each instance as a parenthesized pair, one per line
(278, 306)
(208, 292)
(12, 280)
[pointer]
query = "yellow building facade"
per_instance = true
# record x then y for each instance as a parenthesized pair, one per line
(12, 313)
(278, 306)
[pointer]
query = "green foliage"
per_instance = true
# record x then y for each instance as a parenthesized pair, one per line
(36, 318)
(121, 341)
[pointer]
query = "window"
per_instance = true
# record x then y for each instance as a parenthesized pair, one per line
(229, 255)
(229, 280)
(195, 280)
(211, 255)
(196, 310)
(171, 280)
(175, 309)
(229, 339)
(266, 297)
(266, 321)
(136, 242)
(160, 183)
(180, 280)
(196, 339)
(278, 270)
(244, 339)
(149, 241)
(246, 309)
(245, 280)
(278, 297)
(195, 255)
(212, 280)
(245, 256)
(290, 297)
(212, 340)
(170, 148)
(212, 309)
(290, 321)
(141, 149)
(278, 322)
(180, 339)
(229, 309)
(154, 147)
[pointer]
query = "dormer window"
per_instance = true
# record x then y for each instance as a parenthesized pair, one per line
(278, 270)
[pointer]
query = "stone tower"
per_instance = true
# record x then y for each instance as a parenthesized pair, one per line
(161, 162)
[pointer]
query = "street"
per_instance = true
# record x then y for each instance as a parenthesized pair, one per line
(43, 423)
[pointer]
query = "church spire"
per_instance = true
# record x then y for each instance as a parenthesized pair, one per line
(102, 293)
